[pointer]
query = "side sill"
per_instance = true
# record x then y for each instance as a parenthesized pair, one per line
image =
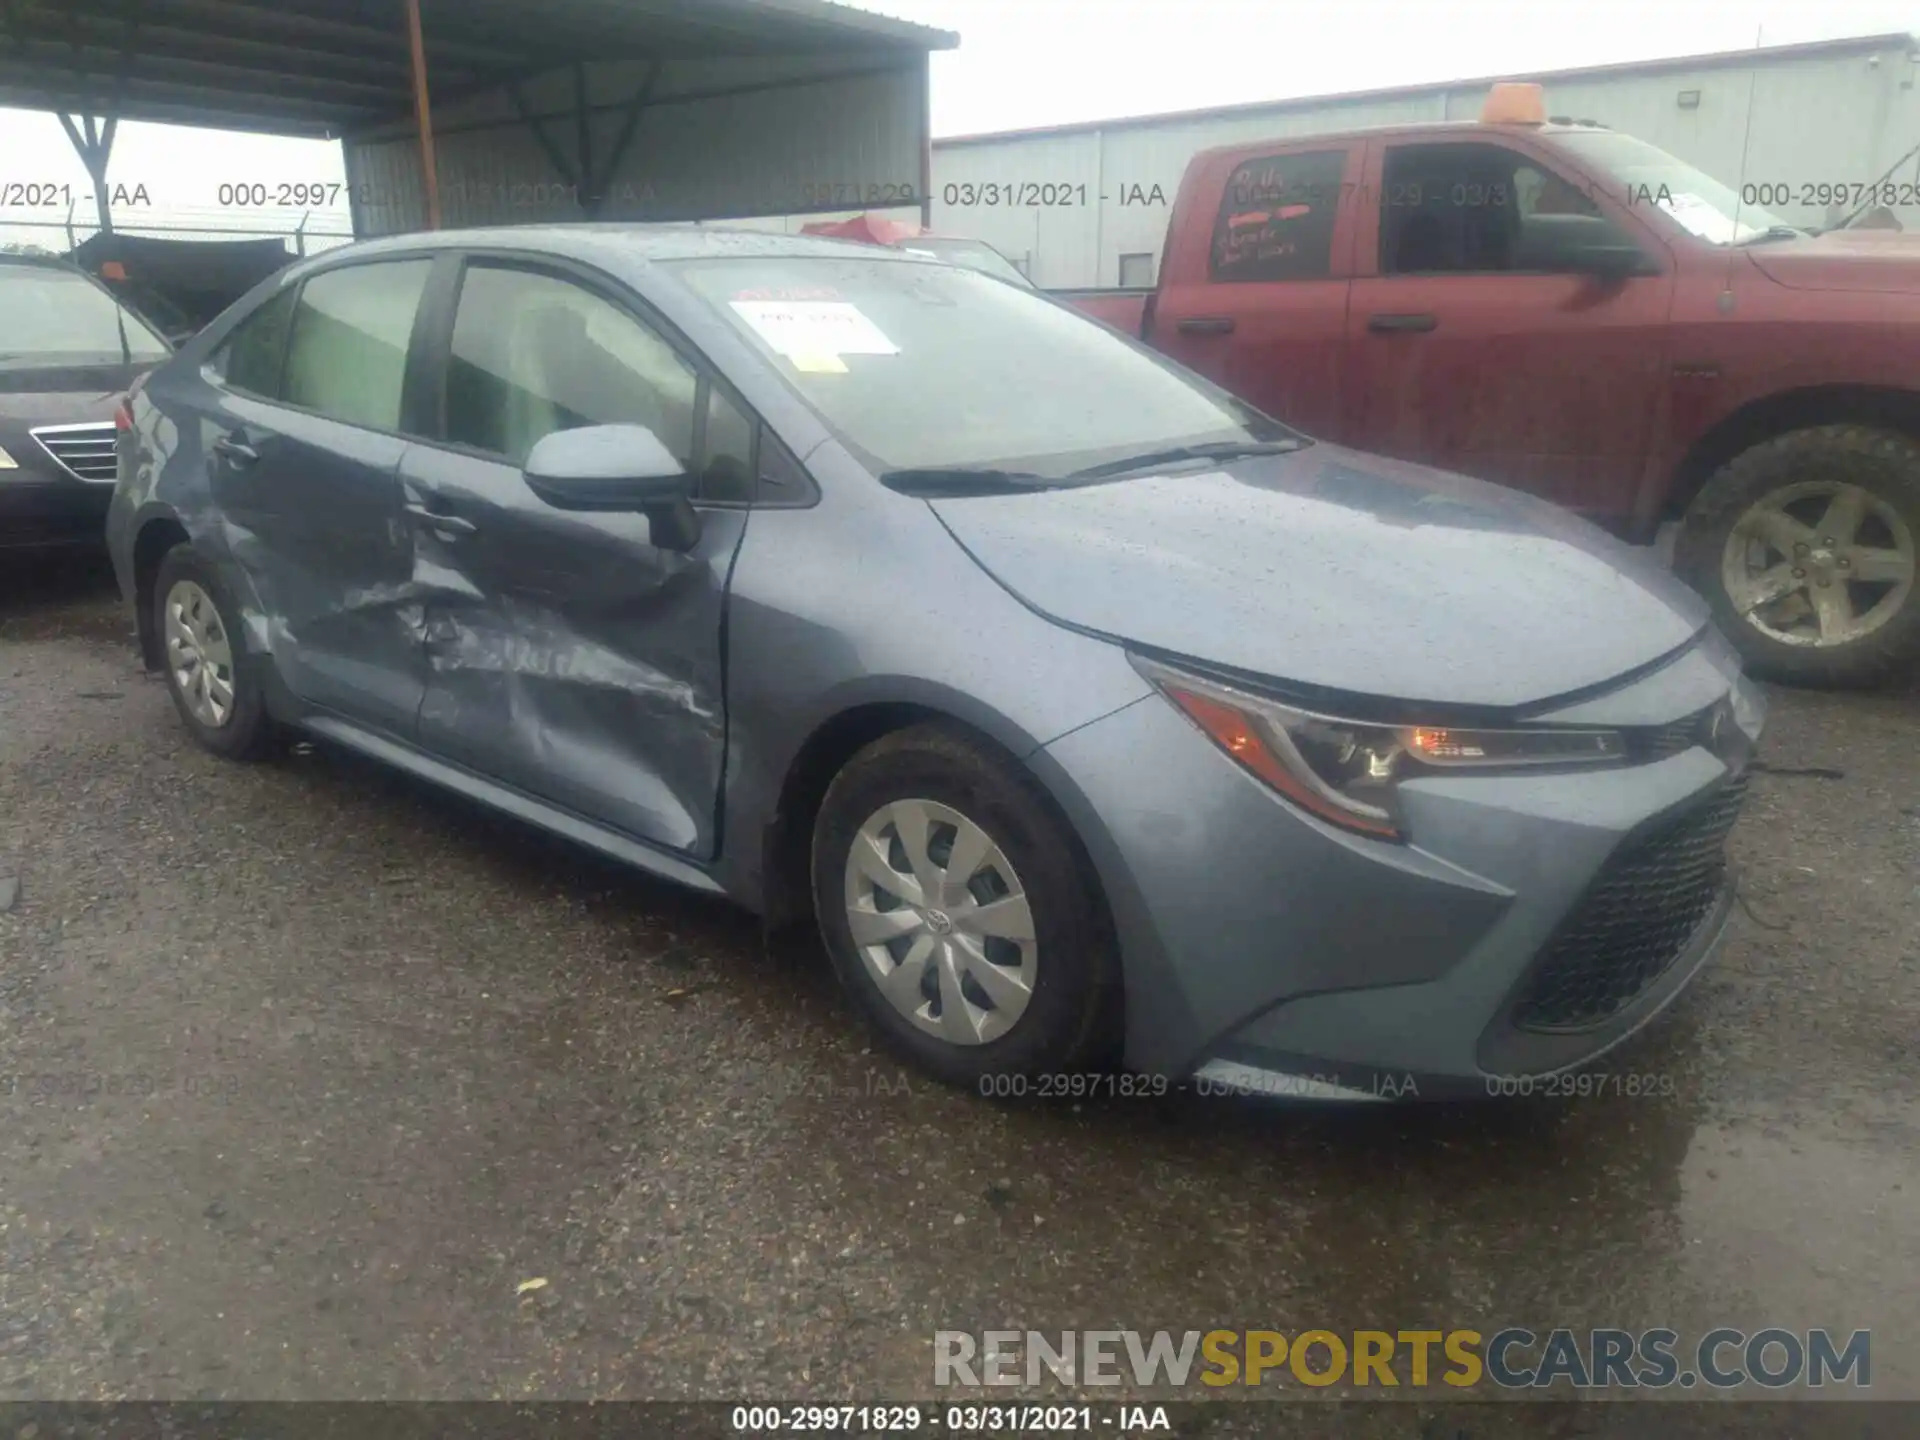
(512, 802)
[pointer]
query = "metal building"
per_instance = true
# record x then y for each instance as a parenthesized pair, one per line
(564, 109)
(1087, 204)
(753, 107)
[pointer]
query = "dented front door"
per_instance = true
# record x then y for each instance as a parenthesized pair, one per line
(567, 656)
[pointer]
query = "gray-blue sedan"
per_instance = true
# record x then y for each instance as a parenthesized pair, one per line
(1090, 715)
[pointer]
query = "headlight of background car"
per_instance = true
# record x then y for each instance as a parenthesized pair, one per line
(1346, 771)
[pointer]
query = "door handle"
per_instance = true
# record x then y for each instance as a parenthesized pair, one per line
(1390, 324)
(445, 524)
(1205, 325)
(237, 452)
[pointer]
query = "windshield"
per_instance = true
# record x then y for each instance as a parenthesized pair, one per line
(50, 316)
(929, 366)
(1647, 175)
(974, 254)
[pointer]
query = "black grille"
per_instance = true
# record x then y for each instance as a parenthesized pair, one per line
(1647, 904)
(87, 451)
(1657, 742)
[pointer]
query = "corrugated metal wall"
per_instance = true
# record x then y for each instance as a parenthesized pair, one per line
(716, 138)
(1828, 116)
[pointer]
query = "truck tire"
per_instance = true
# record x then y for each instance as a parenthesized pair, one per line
(1805, 547)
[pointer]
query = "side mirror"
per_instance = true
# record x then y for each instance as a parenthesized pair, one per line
(621, 468)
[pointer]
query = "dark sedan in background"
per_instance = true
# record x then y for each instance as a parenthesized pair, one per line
(1086, 711)
(68, 350)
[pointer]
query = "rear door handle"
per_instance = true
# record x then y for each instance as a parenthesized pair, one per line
(1390, 324)
(445, 524)
(1205, 325)
(236, 451)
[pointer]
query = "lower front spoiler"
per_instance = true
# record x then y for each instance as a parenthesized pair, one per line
(52, 514)
(1518, 1062)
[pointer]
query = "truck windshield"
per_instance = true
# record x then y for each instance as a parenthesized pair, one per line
(1648, 175)
(918, 366)
(51, 316)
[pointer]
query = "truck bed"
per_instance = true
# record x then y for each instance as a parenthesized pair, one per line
(1122, 309)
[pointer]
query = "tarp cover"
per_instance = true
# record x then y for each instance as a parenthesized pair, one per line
(193, 279)
(872, 228)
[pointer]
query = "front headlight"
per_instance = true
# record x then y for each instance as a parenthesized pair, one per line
(1346, 771)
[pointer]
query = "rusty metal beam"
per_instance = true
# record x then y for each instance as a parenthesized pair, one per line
(423, 115)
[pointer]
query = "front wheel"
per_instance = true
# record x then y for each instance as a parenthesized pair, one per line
(1805, 547)
(961, 912)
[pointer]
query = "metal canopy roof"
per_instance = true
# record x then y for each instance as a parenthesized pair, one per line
(325, 68)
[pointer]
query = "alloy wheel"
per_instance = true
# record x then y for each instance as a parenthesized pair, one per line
(941, 921)
(1819, 563)
(199, 654)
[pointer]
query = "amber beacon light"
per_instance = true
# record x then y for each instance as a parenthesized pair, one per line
(1515, 102)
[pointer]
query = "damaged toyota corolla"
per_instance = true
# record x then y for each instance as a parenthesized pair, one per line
(1094, 718)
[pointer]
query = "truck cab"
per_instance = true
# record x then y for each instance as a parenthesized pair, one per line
(1571, 311)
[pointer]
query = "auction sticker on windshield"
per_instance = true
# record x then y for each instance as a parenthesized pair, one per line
(809, 332)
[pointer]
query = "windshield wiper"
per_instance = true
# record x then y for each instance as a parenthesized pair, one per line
(1214, 450)
(934, 482)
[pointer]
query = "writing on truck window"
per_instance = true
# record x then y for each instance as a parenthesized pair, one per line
(1277, 217)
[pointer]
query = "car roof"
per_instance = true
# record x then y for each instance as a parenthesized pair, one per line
(623, 241)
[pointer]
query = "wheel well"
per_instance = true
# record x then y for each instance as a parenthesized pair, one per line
(787, 884)
(156, 538)
(1775, 415)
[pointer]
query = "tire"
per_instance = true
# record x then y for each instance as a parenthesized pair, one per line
(1069, 1018)
(1730, 537)
(242, 729)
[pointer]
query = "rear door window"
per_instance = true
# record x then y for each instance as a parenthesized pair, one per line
(347, 356)
(1277, 218)
(252, 357)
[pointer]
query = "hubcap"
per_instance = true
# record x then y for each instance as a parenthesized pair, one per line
(199, 655)
(1819, 563)
(942, 921)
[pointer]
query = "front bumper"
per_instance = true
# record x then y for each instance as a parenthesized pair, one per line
(38, 510)
(1258, 942)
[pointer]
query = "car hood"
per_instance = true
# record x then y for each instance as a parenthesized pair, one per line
(1878, 260)
(1337, 571)
(47, 394)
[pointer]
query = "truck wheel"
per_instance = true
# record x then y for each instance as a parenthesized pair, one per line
(1805, 547)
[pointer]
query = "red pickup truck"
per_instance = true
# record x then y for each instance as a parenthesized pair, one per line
(1565, 309)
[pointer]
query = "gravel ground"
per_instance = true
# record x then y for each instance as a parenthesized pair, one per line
(313, 1068)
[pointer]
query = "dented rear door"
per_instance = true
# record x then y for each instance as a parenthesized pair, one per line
(303, 443)
(567, 655)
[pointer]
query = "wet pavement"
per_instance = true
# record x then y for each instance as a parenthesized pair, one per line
(306, 1071)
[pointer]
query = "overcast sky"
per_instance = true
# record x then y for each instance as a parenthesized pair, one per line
(1051, 62)
(1044, 62)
